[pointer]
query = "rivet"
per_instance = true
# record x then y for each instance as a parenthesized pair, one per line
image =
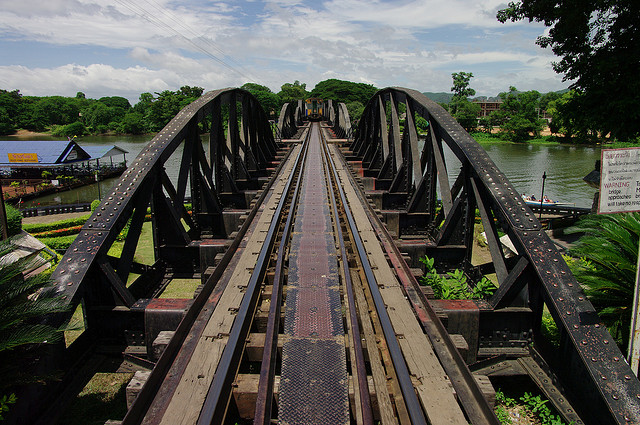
(584, 342)
(568, 313)
(605, 341)
(70, 284)
(576, 326)
(616, 359)
(615, 396)
(604, 378)
(593, 359)
(627, 377)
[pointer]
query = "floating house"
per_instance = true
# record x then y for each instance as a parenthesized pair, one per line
(27, 159)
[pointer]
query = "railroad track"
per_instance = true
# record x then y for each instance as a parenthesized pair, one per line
(311, 317)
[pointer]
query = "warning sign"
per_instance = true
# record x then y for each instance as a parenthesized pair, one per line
(620, 181)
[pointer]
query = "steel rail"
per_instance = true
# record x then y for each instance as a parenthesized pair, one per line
(473, 401)
(215, 404)
(264, 400)
(412, 403)
(142, 403)
(363, 384)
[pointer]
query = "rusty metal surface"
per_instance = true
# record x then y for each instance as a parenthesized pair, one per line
(359, 369)
(412, 403)
(264, 398)
(314, 382)
(593, 369)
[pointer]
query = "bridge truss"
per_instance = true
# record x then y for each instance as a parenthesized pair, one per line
(436, 195)
(427, 189)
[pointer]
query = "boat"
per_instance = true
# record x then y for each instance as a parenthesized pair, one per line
(546, 202)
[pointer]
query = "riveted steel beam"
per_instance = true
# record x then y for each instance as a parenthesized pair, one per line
(591, 367)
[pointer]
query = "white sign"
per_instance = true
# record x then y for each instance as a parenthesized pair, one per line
(619, 181)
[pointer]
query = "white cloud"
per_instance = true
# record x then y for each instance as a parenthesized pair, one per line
(154, 45)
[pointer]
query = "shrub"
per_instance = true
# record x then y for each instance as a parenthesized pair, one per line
(455, 286)
(14, 220)
(60, 243)
(59, 232)
(70, 130)
(95, 204)
(62, 224)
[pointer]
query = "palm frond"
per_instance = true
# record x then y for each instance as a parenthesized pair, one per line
(609, 247)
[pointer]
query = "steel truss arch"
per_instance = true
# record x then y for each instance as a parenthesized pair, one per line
(226, 174)
(412, 173)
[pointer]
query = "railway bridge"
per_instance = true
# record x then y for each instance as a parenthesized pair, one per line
(303, 251)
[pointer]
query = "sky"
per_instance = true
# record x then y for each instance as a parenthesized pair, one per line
(128, 47)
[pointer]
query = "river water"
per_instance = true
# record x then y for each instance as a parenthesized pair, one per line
(523, 164)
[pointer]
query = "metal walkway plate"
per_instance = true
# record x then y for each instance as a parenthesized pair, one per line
(314, 380)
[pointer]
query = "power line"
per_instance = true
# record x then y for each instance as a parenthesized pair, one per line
(150, 17)
(169, 14)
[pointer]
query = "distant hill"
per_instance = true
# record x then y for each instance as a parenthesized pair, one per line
(442, 97)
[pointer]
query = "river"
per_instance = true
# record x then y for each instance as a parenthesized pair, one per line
(524, 165)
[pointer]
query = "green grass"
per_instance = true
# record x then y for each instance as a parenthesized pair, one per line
(496, 138)
(103, 398)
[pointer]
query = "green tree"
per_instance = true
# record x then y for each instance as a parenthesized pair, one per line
(116, 102)
(99, 115)
(132, 123)
(597, 43)
(605, 265)
(355, 110)
(467, 114)
(518, 114)
(461, 90)
(344, 91)
(74, 129)
(293, 92)
(168, 103)
(9, 108)
(269, 101)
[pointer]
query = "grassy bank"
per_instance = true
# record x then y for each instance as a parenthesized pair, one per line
(481, 137)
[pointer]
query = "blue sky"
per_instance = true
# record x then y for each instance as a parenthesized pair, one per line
(127, 47)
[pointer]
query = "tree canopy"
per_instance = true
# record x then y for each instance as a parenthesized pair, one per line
(597, 42)
(269, 100)
(68, 116)
(518, 114)
(344, 91)
(292, 92)
(465, 112)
